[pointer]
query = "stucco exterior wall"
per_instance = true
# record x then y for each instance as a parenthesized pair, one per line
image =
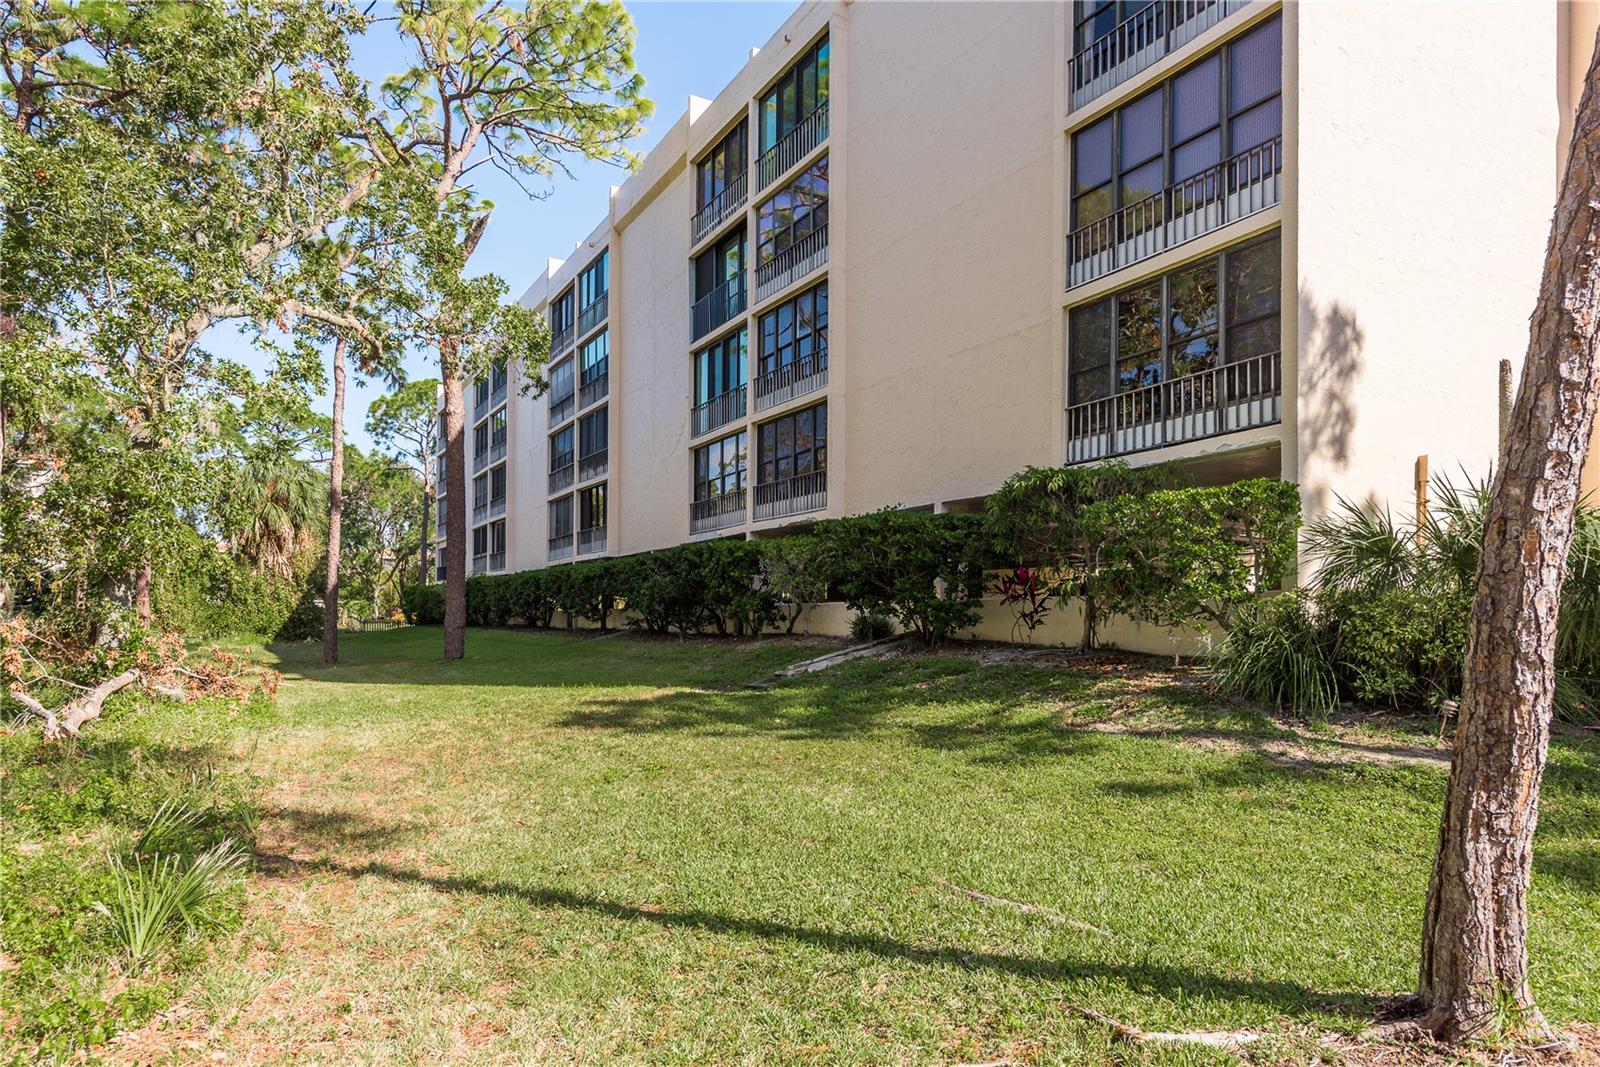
(1424, 199)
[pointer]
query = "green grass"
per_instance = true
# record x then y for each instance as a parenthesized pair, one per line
(608, 851)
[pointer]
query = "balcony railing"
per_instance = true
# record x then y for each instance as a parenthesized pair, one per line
(784, 383)
(717, 512)
(561, 473)
(497, 451)
(480, 460)
(560, 546)
(497, 507)
(792, 264)
(561, 408)
(1231, 190)
(792, 496)
(723, 206)
(1226, 399)
(593, 389)
(480, 563)
(795, 146)
(497, 561)
(592, 540)
(716, 412)
(717, 307)
(480, 511)
(561, 340)
(592, 466)
(1137, 42)
(593, 314)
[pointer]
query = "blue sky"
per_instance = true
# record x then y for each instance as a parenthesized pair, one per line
(682, 49)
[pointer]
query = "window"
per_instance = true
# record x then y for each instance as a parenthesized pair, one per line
(480, 492)
(802, 89)
(480, 392)
(497, 543)
(480, 441)
(594, 356)
(720, 367)
(562, 384)
(1220, 310)
(794, 213)
(796, 330)
(562, 313)
(722, 166)
(719, 467)
(497, 377)
(595, 281)
(480, 541)
(592, 507)
(723, 262)
(497, 484)
(560, 514)
(795, 444)
(592, 433)
(1192, 121)
(497, 430)
(561, 448)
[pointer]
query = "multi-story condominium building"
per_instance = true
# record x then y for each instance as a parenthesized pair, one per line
(913, 248)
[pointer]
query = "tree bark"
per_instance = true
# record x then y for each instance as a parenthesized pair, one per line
(455, 492)
(330, 601)
(1474, 973)
(141, 593)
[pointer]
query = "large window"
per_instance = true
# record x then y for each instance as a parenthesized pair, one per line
(592, 433)
(497, 377)
(592, 507)
(794, 213)
(562, 313)
(1094, 19)
(480, 492)
(497, 485)
(721, 166)
(561, 518)
(594, 357)
(720, 263)
(801, 90)
(796, 330)
(480, 441)
(595, 281)
(794, 444)
(1190, 122)
(720, 368)
(561, 448)
(562, 383)
(1222, 309)
(480, 393)
(720, 467)
(497, 430)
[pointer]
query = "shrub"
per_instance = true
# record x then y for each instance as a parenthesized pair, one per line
(1397, 646)
(1028, 596)
(795, 570)
(154, 898)
(865, 626)
(530, 597)
(1277, 652)
(423, 605)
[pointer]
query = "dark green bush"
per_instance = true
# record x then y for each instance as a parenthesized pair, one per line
(1278, 652)
(423, 605)
(1397, 646)
(865, 626)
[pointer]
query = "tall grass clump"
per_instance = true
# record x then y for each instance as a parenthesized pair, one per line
(157, 896)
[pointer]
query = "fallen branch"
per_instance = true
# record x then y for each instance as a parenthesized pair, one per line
(1232, 1040)
(1017, 905)
(70, 719)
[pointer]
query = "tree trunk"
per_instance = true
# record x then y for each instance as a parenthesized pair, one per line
(455, 492)
(1474, 974)
(427, 518)
(330, 599)
(141, 593)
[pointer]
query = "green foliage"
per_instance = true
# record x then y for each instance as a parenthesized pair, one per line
(795, 570)
(423, 605)
(865, 626)
(925, 570)
(1278, 652)
(155, 897)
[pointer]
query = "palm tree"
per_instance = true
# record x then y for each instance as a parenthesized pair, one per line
(278, 504)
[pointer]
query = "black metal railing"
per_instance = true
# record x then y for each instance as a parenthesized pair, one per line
(1137, 42)
(592, 540)
(716, 412)
(717, 307)
(594, 387)
(562, 407)
(561, 340)
(793, 263)
(717, 512)
(560, 546)
(592, 465)
(593, 314)
(792, 496)
(723, 206)
(782, 384)
(561, 472)
(1220, 194)
(808, 133)
(1226, 399)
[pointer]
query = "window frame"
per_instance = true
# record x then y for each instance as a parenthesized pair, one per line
(599, 416)
(594, 281)
(587, 507)
(770, 360)
(587, 374)
(708, 486)
(561, 506)
(721, 166)
(726, 259)
(774, 448)
(800, 223)
(718, 354)
(818, 58)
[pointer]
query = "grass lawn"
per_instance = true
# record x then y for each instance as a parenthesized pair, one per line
(609, 851)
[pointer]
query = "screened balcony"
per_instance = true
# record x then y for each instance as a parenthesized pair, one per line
(1221, 400)
(592, 540)
(560, 547)
(717, 307)
(795, 146)
(717, 412)
(718, 512)
(724, 206)
(794, 495)
(593, 313)
(793, 263)
(796, 379)
(1137, 42)
(561, 471)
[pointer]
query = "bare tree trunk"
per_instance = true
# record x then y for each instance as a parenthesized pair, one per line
(455, 492)
(330, 599)
(141, 593)
(1474, 946)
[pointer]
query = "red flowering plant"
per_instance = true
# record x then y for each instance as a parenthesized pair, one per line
(1027, 597)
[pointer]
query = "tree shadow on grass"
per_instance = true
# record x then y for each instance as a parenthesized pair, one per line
(1147, 978)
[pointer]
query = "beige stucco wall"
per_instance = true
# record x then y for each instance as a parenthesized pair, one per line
(1423, 202)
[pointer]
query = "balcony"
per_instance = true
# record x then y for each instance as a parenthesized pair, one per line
(561, 472)
(593, 314)
(480, 563)
(497, 452)
(480, 511)
(561, 341)
(497, 507)
(497, 561)
(560, 547)
(717, 307)
(717, 512)
(592, 466)
(1222, 400)
(716, 412)
(724, 206)
(561, 408)
(591, 540)
(795, 146)
(1227, 192)
(480, 460)
(1137, 42)
(792, 496)
(792, 264)
(783, 384)
(594, 389)
(438, 572)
